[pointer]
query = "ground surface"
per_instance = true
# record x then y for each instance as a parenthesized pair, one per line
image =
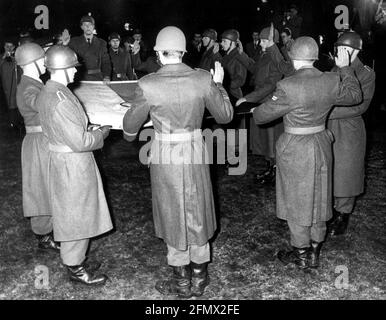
(244, 264)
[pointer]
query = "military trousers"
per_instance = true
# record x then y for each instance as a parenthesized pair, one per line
(194, 253)
(73, 253)
(344, 204)
(301, 236)
(41, 225)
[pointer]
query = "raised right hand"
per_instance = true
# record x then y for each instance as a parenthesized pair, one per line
(218, 73)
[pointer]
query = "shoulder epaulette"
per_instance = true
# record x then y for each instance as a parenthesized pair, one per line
(61, 95)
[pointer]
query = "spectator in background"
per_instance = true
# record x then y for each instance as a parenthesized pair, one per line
(195, 50)
(293, 21)
(144, 49)
(286, 37)
(253, 49)
(209, 57)
(122, 61)
(92, 52)
(10, 75)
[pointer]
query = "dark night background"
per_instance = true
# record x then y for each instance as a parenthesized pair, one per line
(190, 16)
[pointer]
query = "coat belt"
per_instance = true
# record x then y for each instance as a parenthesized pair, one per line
(59, 148)
(307, 130)
(179, 136)
(33, 129)
(94, 71)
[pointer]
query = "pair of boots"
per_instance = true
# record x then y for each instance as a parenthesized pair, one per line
(338, 224)
(186, 281)
(85, 273)
(304, 258)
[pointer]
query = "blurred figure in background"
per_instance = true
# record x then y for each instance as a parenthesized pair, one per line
(209, 57)
(10, 75)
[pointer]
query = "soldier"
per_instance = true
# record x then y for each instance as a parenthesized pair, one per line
(265, 77)
(209, 57)
(34, 150)
(78, 203)
(92, 52)
(183, 206)
(235, 71)
(349, 131)
(303, 151)
(286, 37)
(122, 61)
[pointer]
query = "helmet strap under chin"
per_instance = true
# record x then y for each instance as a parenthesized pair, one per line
(38, 68)
(67, 77)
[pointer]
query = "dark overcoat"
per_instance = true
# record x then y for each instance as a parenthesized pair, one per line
(78, 203)
(304, 161)
(348, 128)
(176, 97)
(34, 151)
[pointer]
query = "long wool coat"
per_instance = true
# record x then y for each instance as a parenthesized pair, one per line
(348, 128)
(34, 151)
(79, 207)
(304, 162)
(176, 97)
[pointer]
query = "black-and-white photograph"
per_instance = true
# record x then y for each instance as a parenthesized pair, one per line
(181, 150)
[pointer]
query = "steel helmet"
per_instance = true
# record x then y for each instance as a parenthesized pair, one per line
(60, 57)
(304, 48)
(350, 39)
(28, 53)
(210, 33)
(170, 39)
(231, 34)
(264, 34)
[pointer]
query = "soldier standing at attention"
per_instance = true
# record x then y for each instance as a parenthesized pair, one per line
(183, 205)
(78, 204)
(34, 150)
(91, 51)
(349, 147)
(303, 151)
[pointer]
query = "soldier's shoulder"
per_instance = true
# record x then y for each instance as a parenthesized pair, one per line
(202, 73)
(101, 41)
(368, 72)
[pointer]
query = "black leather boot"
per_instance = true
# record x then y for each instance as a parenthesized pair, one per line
(81, 274)
(179, 284)
(339, 224)
(91, 266)
(200, 278)
(314, 254)
(47, 242)
(298, 256)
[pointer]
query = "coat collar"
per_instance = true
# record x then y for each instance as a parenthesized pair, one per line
(174, 68)
(34, 81)
(357, 64)
(56, 86)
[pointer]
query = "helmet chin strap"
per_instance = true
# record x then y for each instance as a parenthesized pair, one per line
(38, 68)
(67, 76)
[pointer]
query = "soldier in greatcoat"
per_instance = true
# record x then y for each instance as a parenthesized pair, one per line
(349, 147)
(303, 151)
(78, 204)
(265, 76)
(183, 208)
(34, 150)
